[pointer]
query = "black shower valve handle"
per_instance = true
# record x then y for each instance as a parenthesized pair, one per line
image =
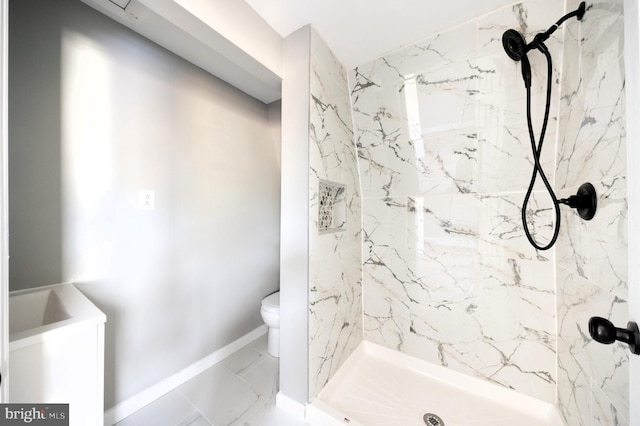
(585, 201)
(574, 201)
(603, 331)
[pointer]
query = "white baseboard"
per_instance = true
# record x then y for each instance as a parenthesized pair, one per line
(147, 396)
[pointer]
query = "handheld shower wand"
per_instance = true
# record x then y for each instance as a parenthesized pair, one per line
(517, 49)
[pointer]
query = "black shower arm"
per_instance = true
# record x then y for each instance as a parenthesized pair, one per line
(542, 37)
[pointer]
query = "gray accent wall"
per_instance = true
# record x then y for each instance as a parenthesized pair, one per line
(97, 114)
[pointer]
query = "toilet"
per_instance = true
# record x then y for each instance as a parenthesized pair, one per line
(270, 312)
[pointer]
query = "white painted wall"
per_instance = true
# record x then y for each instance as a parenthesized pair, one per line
(241, 25)
(99, 113)
(294, 236)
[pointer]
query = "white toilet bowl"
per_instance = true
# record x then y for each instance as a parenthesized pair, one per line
(270, 312)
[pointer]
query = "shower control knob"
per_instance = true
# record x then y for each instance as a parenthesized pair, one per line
(585, 201)
(603, 331)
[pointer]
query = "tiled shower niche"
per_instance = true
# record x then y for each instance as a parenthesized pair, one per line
(332, 207)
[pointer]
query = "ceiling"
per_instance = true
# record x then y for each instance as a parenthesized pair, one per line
(358, 31)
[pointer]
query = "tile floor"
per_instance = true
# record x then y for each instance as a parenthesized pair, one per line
(240, 391)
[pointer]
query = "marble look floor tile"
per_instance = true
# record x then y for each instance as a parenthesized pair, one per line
(263, 377)
(243, 360)
(170, 410)
(199, 421)
(261, 344)
(270, 415)
(222, 397)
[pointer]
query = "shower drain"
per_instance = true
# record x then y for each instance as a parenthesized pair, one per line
(431, 419)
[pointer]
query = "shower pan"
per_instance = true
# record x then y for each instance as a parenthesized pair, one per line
(378, 386)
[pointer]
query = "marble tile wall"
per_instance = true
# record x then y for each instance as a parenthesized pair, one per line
(445, 161)
(335, 258)
(593, 379)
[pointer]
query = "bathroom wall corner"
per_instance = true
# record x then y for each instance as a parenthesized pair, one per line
(294, 244)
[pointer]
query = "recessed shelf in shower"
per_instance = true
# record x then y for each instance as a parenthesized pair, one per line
(332, 207)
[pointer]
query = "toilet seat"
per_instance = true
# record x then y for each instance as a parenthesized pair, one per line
(271, 303)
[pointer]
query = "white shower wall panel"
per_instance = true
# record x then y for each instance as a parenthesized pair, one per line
(335, 259)
(445, 160)
(591, 264)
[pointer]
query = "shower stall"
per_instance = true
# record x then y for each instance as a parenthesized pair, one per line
(432, 147)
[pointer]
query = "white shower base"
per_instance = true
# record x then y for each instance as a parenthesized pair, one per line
(377, 386)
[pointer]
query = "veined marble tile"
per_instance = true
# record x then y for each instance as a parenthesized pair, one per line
(501, 82)
(527, 341)
(596, 250)
(436, 282)
(335, 262)
(448, 163)
(332, 139)
(456, 337)
(426, 279)
(606, 413)
(592, 256)
(501, 229)
(454, 45)
(574, 389)
(593, 146)
(602, 37)
(386, 318)
(505, 150)
(592, 122)
(385, 223)
(505, 143)
(385, 152)
(606, 365)
(393, 119)
(445, 97)
(443, 163)
(438, 305)
(327, 69)
(443, 221)
(529, 287)
(528, 17)
(332, 339)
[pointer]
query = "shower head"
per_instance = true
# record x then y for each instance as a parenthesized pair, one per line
(516, 47)
(514, 44)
